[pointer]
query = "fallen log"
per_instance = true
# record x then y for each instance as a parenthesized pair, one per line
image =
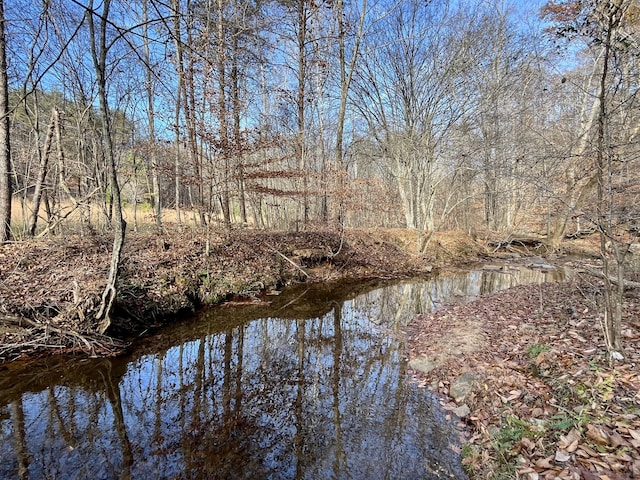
(515, 243)
(628, 284)
(580, 234)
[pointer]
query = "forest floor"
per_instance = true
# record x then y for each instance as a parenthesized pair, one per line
(526, 372)
(523, 370)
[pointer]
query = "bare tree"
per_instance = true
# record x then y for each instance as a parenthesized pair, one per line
(99, 51)
(42, 173)
(610, 16)
(610, 32)
(6, 191)
(223, 128)
(347, 69)
(179, 64)
(150, 78)
(411, 92)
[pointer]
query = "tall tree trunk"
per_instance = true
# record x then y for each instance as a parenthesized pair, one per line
(612, 293)
(222, 115)
(6, 191)
(577, 190)
(180, 70)
(190, 108)
(235, 81)
(346, 77)
(302, 79)
(99, 55)
(157, 205)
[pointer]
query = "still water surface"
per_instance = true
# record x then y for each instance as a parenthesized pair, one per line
(311, 385)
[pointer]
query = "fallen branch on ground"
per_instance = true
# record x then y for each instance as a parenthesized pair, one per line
(613, 280)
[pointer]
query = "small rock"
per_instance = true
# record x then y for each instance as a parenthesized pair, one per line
(462, 386)
(422, 364)
(462, 411)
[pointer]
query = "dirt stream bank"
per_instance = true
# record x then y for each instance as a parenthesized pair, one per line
(50, 289)
(524, 371)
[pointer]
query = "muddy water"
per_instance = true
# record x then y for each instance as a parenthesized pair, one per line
(310, 383)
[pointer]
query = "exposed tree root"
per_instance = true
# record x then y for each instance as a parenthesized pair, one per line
(47, 338)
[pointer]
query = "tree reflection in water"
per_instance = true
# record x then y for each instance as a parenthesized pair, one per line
(310, 391)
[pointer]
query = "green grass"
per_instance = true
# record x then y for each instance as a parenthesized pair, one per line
(534, 350)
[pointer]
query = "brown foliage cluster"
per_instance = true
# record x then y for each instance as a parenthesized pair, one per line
(564, 11)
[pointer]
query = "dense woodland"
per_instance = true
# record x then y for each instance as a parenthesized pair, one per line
(483, 115)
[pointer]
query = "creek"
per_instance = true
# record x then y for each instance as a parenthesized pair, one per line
(311, 383)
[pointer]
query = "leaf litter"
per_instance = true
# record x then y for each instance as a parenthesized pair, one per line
(546, 403)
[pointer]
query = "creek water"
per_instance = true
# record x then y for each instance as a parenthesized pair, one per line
(308, 384)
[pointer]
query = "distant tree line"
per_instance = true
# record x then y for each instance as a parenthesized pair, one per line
(425, 115)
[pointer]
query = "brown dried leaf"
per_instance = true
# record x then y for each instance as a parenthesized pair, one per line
(598, 463)
(586, 452)
(529, 475)
(587, 475)
(541, 358)
(537, 412)
(513, 394)
(528, 444)
(569, 442)
(597, 434)
(617, 440)
(545, 463)
(562, 456)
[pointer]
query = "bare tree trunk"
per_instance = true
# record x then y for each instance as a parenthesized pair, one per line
(577, 189)
(99, 55)
(345, 83)
(157, 205)
(190, 106)
(222, 115)
(44, 162)
(237, 140)
(6, 191)
(302, 78)
(180, 71)
(612, 294)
